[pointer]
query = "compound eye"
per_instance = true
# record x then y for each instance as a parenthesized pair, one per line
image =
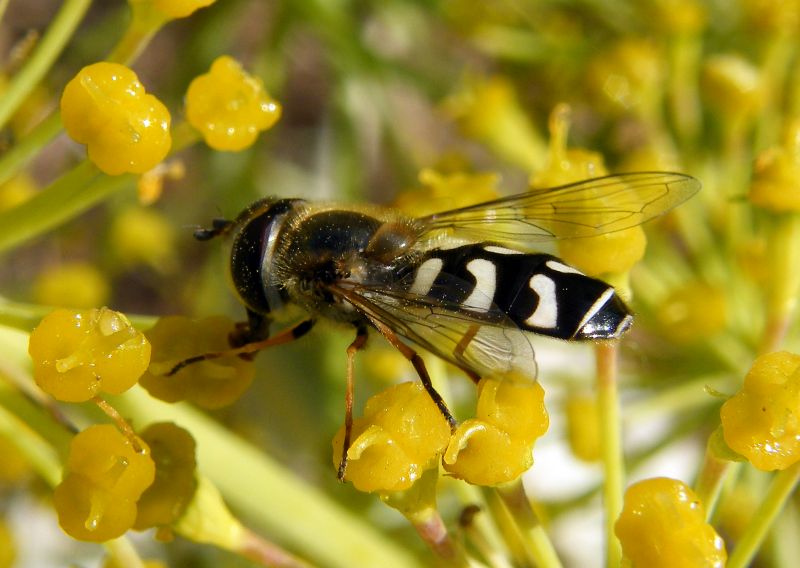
(390, 241)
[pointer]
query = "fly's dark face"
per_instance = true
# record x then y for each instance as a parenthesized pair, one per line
(255, 235)
(463, 284)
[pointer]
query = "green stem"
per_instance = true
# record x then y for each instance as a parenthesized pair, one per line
(145, 23)
(709, 483)
(124, 553)
(3, 7)
(59, 32)
(534, 535)
(779, 54)
(275, 500)
(24, 317)
(779, 491)
(36, 449)
(18, 156)
(783, 254)
(611, 445)
(685, 51)
(71, 194)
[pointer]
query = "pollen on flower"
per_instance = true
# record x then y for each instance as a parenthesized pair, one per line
(663, 525)
(762, 422)
(78, 354)
(229, 107)
(124, 129)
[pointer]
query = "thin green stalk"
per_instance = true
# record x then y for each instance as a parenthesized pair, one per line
(53, 41)
(275, 500)
(19, 155)
(709, 482)
(144, 24)
(611, 446)
(3, 7)
(71, 194)
(124, 553)
(779, 54)
(534, 535)
(685, 51)
(781, 488)
(39, 452)
(24, 317)
(783, 253)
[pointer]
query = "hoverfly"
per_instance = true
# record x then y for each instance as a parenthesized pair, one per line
(461, 284)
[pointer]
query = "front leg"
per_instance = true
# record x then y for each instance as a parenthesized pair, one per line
(249, 349)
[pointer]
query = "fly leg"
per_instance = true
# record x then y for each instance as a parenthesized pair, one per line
(356, 346)
(419, 366)
(248, 349)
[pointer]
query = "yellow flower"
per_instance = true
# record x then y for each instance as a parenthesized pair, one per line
(762, 421)
(497, 445)
(173, 452)
(230, 107)
(125, 129)
(693, 311)
(77, 355)
(106, 473)
(609, 253)
(583, 433)
(141, 235)
(663, 525)
(401, 434)
(212, 383)
(489, 111)
(777, 170)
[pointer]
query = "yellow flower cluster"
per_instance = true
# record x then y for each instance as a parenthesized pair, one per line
(403, 433)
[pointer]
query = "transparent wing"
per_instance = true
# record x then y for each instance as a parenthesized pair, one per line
(587, 208)
(482, 341)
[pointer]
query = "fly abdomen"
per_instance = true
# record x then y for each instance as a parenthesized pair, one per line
(537, 292)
